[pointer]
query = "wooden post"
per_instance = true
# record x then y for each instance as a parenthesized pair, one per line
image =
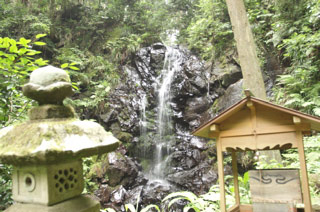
(304, 174)
(235, 177)
(221, 176)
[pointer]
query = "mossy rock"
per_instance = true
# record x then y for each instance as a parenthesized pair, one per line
(124, 137)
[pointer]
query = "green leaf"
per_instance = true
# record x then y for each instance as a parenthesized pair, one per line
(13, 49)
(149, 207)
(187, 208)
(174, 200)
(74, 86)
(130, 207)
(24, 60)
(246, 178)
(74, 68)
(31, 53)
(40, 36)
(307, 104)
(24, 72)
(24, 42)
(41, 62)
(12, 42)
(65, 65)
(186, 194)
(317, 111)
(39, 43)
(22, 51)
(11, 57)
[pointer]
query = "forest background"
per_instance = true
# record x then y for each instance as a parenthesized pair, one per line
(92, 39)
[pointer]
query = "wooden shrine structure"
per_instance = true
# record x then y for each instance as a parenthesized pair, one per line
(255, 124)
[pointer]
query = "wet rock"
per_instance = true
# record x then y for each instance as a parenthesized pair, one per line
(124, 137)
(121, 170)
(198, 143)
(197, 180)
(118, 196)
(200, 83)
(155, 191)
(196, 155)
(157, 54)
(141, 179)
(209, 177)
(109, 117)
(195, 107)
(232, 95)
(103, 193)
(134, 195)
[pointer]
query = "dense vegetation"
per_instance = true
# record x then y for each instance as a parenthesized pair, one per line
(99, 36)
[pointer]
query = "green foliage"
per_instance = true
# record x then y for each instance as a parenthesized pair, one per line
(264, 163)
(131, 208)
(96, 101)
(210, 201)
(17, 60)
(92, 38)
(244, 188)
(5, 186)
(297, 37)
(209, 32)
(17, 20)
(150, 207)
(90, 185)
(312, 148)
(195, 203)
(94, 78)
(122, 47)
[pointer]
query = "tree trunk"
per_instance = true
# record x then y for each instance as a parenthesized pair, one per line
(252, 75)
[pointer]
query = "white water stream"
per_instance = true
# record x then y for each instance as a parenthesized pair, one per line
(171, 65)
(164, 136)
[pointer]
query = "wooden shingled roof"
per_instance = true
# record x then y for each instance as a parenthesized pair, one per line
(203, 130)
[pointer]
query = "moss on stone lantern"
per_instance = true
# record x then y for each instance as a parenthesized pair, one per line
(46, 151)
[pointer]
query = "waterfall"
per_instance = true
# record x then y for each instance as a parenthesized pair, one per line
(172, 63)
(159, 137)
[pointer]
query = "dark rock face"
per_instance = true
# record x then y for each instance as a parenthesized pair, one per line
(190, 160)
(231, 96)
(122, 170)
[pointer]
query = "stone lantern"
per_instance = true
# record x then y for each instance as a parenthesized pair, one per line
(46, 151)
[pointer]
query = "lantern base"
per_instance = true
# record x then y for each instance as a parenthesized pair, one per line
(81, 203)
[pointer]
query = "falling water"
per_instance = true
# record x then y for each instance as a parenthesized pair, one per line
(172, 64)
(143, 120)
(143, 117)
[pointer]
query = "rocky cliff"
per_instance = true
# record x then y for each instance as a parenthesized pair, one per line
(198, 92)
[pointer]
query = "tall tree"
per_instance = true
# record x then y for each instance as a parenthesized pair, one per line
(252, 76)
(249, 62)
